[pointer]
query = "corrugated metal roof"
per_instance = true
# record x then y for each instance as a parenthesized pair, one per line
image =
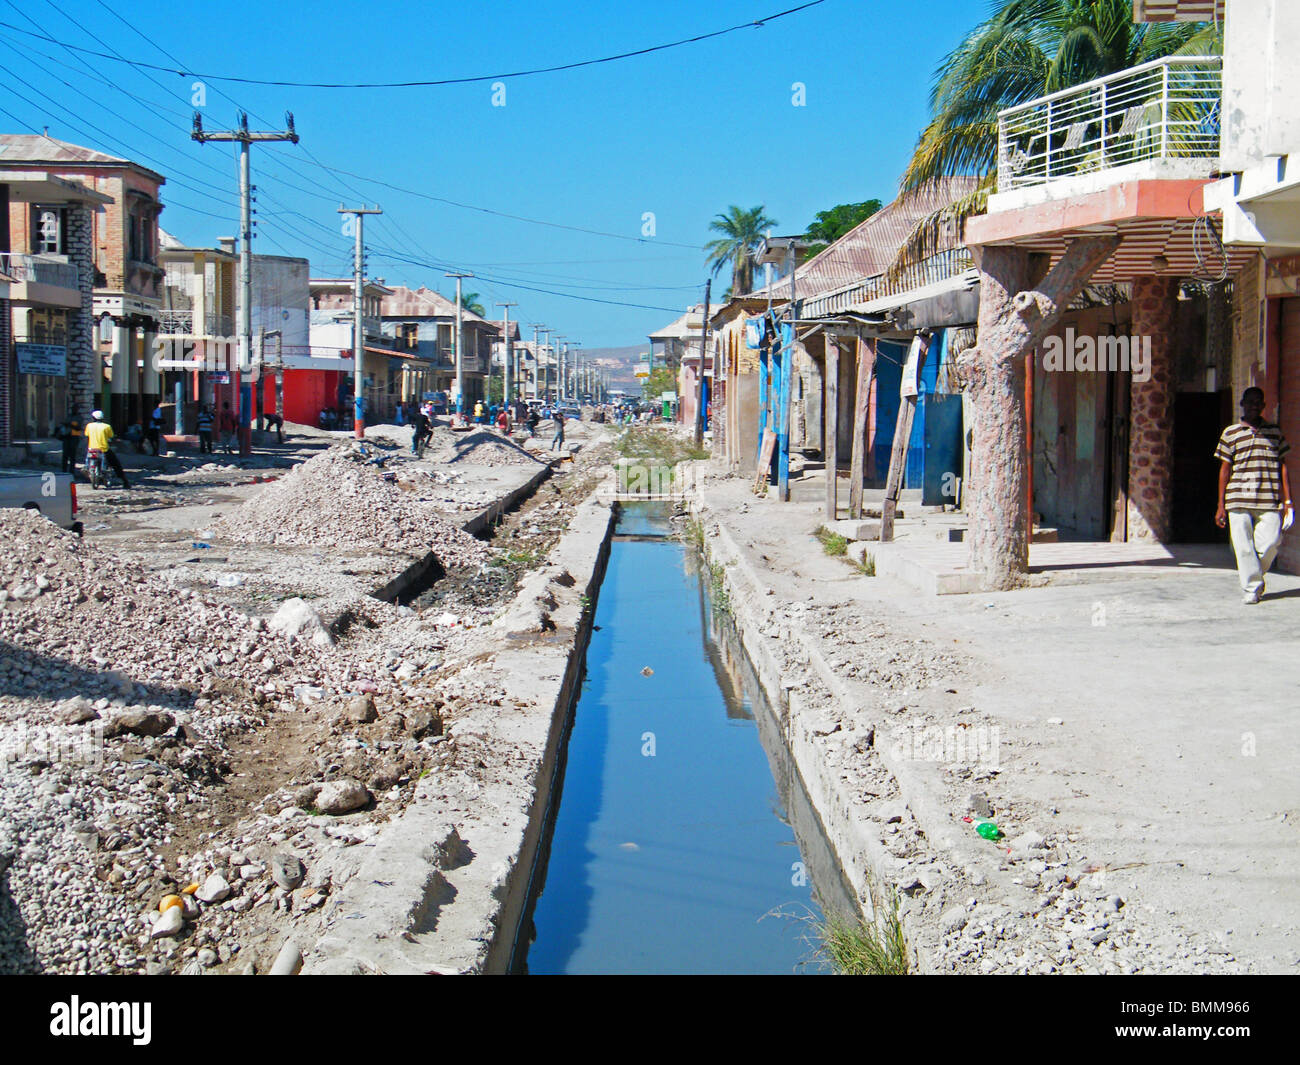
(868, 249)
(20, 148)
(424, 302)
(37, 148)
(689, 324)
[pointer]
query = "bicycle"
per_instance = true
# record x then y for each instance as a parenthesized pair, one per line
(95, 469)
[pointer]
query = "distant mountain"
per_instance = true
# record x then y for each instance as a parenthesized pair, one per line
(619, 363)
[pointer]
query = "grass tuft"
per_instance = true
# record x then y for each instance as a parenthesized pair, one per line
(868, 948)
(832, 543)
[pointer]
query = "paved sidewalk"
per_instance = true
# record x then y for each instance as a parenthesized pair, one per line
(1142, 708)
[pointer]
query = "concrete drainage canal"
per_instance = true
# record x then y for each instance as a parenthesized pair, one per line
(679, 838)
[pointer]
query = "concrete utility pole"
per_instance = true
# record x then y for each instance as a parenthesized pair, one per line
(505, 390)
(560, 350)
(537, 357)
(245, 137)
(358, 326)
(460, 345)
(546, 378)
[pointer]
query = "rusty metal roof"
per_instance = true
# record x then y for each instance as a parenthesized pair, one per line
(18, 149)
(868, 249)
(424, 302)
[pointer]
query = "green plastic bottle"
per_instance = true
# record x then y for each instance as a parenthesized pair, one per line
(989, 830)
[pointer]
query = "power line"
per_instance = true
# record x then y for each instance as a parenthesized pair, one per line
(753, 23)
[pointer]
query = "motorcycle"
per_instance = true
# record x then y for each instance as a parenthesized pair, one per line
(96, 468)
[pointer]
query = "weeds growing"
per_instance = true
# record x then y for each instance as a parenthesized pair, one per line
(874, 947)
(832, 543)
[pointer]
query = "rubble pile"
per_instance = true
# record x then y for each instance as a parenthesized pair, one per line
(341, 498)
(132, 718)
(479, 447)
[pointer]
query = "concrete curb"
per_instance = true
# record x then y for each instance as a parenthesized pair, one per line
(848, 823)
(447, 883)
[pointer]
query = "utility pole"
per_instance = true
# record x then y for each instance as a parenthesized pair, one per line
(560, 381)
(245, 137)
(537, 357)
(699, 382)
(505, 390)
(546, 378)
(460, 344)
(358, 326)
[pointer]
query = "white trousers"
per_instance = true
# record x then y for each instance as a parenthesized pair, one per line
(1256, 536)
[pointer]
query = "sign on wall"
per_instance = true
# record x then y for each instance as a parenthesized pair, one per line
(48, 359)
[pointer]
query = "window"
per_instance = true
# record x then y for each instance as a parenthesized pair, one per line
(410, 336)
(48, 230)
(139, 239)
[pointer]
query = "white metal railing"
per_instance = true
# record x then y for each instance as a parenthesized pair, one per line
(180, 322)
(1165, 109)
(38, 270)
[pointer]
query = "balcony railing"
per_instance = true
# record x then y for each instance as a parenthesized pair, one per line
(1165, 109)
(38, 270)
(173, 321)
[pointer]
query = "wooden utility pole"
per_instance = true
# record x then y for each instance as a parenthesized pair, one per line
(902, 434)
(699, 382)
(831, 425)
(861, 404)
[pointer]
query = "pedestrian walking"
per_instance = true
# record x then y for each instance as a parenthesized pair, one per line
(204, 422)
(557, 442)
(421, 431)
(275, 421)
(503, 422)
(227, 424)
(1254, 492)
(69, 435)
(154, 434)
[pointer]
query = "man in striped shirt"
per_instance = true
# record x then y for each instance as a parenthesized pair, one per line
(1254, 492)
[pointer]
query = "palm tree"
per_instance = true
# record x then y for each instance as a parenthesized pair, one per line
(742, 233)
(1024, 50)
(470, 301)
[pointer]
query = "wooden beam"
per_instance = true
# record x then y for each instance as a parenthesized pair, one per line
(862, 401)
(831, 424)
(898, 457)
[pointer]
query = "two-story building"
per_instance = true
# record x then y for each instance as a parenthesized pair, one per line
(127, 281)
(47, 330)
(423, 322)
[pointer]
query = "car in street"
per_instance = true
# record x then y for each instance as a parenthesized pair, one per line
(52, 494)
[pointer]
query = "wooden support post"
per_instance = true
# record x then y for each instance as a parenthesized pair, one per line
(831, 424)
(783, 421)
(861, 403)
(902, 434)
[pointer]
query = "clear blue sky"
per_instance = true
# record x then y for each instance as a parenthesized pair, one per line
(681, 133)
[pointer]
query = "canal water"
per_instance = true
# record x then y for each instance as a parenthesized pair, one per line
(679, 837)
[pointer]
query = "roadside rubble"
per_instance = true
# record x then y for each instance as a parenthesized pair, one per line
(161, 750)
(344, 496)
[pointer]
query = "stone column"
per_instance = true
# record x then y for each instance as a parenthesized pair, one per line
(83, 361)
(1151, 418)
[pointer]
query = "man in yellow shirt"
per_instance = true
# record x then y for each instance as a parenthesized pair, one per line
(99, 437)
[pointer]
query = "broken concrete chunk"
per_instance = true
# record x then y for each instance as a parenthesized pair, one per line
(342, 796)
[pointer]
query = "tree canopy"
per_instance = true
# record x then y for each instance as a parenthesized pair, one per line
(742, 233)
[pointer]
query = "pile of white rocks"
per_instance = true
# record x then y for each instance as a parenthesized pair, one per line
(345, 497)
